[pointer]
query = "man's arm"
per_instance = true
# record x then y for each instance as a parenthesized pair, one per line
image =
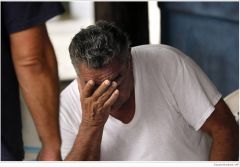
(223, 129)
(87, 145)
(36, 68)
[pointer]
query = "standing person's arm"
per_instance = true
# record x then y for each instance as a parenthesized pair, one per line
(36, 68)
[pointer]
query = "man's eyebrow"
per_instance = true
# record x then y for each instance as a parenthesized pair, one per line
(112, 79)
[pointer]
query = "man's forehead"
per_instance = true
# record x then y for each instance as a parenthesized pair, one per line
(99, 75)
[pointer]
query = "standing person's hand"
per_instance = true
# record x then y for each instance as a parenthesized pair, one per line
(96, 105)
(49, 154)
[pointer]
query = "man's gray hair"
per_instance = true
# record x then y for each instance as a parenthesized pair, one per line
(98, 45)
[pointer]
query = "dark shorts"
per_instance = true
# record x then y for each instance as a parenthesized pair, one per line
(6, 155)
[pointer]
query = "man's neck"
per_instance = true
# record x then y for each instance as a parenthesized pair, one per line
(126, 112)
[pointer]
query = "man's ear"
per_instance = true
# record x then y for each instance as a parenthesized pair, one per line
(79, 85)
(78, 79)
(130, 60)
(129, 52)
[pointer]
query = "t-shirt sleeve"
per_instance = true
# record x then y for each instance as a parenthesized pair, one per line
(69, 117)
(194, 93)
(18, 16)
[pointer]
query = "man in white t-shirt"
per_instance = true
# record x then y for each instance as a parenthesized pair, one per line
(149, 102)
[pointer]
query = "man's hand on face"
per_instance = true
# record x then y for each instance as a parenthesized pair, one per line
(97, 104)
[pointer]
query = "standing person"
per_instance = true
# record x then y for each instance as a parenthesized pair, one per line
(29, 62)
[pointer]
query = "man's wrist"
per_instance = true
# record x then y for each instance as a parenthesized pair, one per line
(86, 124)
(90, 131)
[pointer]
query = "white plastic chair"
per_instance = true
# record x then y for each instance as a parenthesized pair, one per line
(232, 100)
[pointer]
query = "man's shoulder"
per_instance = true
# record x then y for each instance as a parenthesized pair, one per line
(159, 50)
(71, 87)
(70, 93)
(158, 54)
(70, 109)
(154, 47)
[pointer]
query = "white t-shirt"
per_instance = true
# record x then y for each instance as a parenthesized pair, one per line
(173, 99)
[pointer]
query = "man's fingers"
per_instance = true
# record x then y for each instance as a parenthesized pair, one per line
(101, 89)
(109, 92)
(88, 89)
(112, 99)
